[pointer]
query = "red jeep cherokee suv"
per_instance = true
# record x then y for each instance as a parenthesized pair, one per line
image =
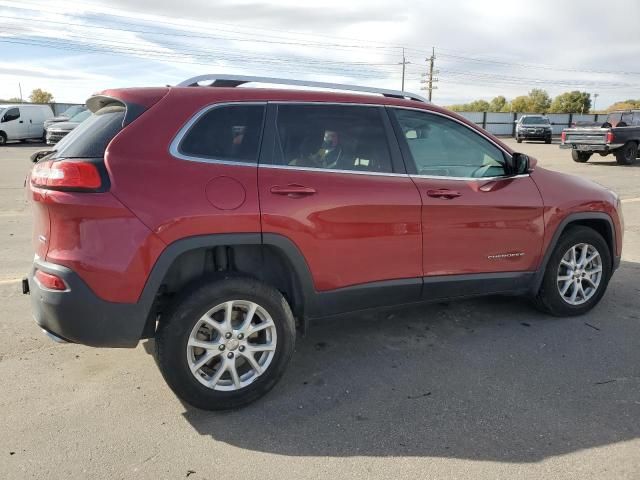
(212, 218)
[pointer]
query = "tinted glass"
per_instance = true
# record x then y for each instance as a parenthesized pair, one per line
(443, 147)
(636, 118)
(91, 137)
(11, 114)
(80, 117)
(535, 121)
(333, 137)
(71, 111)
(229, 133)
(627, 118)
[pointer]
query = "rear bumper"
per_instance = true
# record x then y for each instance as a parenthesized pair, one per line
(78, 315)
(591, 148)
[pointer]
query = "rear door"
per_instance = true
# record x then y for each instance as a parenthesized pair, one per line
(476, 219)
(36, 122)
(332, 183)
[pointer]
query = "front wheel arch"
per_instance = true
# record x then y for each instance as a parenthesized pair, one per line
(598, 221)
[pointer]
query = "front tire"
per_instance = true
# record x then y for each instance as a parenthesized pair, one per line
(225, 343)
(627, 154)
(3, 138)
(577, 273)
(580, 157)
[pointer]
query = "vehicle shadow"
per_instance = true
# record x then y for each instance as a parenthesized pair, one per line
(487, 379)
(27, 143)
(612, 162)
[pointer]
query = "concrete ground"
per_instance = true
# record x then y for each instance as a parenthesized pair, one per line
(477, 389)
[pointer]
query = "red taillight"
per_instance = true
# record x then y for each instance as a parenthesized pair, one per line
(65, 174)
(610, 136)
(50, 281)
(563, 137)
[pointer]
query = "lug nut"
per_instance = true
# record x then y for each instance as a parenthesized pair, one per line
(227, 335)
(240, 336)
(230, 355)
(241, 348)
(221, 347)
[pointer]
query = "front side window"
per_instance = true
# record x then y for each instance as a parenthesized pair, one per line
(626, 118)
(443, 147)
(230, 133)
(11, 114)
(334, 137)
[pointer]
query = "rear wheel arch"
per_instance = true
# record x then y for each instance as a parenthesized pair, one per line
(597, 221)
(272, 259)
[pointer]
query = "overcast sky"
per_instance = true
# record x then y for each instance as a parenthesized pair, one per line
(483, 48)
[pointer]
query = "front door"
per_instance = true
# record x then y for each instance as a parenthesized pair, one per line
(13, 124)
(329, 182)
(476, 219)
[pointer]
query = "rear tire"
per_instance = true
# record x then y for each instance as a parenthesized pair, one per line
(627, 154)
(3, 138)
(547, 141)
(580, 157)
(559, 275)
(228, 379)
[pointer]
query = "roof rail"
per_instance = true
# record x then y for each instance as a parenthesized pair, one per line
(226, 80)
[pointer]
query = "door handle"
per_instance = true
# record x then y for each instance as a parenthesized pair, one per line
(21, 121)
(293, 190)
(443, 193)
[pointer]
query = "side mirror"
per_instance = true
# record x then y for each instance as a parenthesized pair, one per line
(519, 163)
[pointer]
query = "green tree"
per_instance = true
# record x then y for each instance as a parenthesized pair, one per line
(497, 104)
(478, 106)
(40, 96)
(571, 102)
(539, 100)
(625, 105)
(521, 104)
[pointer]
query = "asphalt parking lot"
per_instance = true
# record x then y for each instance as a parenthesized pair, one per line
(485, 388)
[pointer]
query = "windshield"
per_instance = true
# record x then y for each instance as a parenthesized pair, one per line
(80, 117)
(71, 111)
(535, 121)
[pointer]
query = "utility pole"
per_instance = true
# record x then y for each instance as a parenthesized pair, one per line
(20, 88)
(404, 64)
(431, 80)
(595, 98)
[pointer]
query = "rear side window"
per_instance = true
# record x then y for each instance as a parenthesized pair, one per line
(333, 137)
(230, 133)
(91, 137)
(11, 114)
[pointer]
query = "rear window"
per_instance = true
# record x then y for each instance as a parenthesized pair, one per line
(91, 137)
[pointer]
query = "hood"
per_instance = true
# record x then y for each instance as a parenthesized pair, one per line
(63, 126)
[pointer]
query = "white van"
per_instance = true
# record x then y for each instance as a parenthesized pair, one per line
(23, 121)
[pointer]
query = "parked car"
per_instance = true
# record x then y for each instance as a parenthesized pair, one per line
(533, 127)
(57, 131)
(23, 122)
(66, 115)
(217, 220)
(618, 135)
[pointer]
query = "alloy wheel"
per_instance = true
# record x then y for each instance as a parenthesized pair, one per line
(231, 345)
(579, 274)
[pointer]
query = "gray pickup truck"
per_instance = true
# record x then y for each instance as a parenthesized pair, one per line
(620, 135)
